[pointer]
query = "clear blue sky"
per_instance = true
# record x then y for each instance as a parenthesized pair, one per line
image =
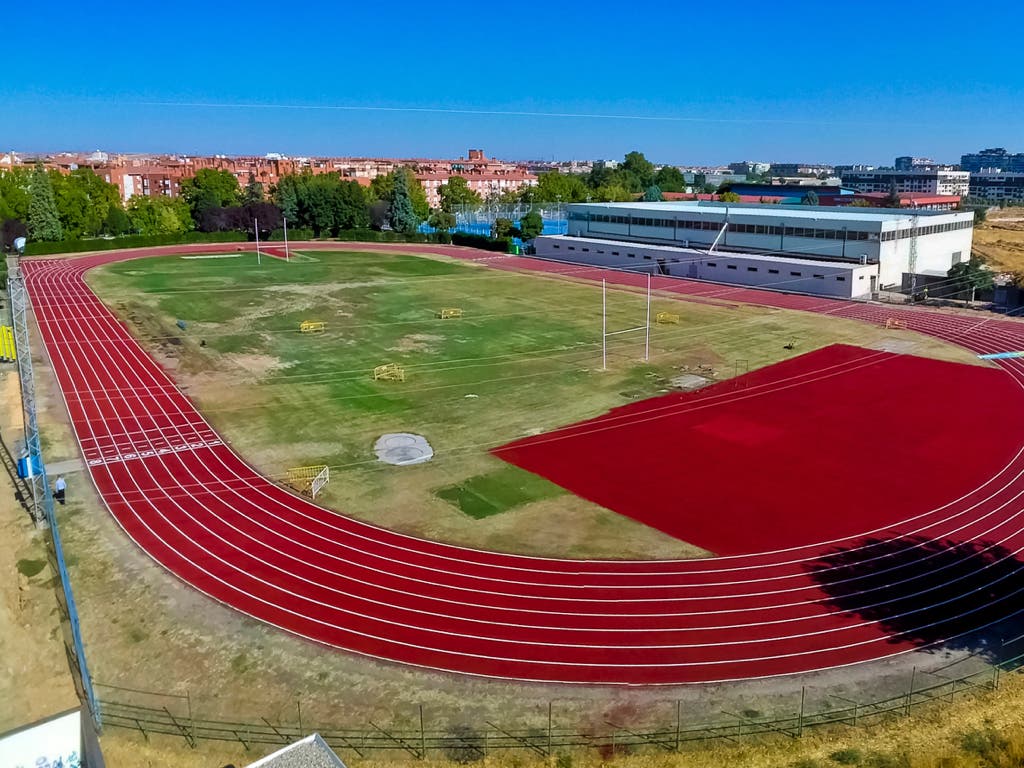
(850, 81)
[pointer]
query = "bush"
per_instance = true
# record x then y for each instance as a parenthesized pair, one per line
(986, 744)
(502, 245)
(132, 241)
(298, 233)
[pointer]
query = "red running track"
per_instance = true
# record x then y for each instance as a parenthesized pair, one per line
(200, 511)
(789, 455)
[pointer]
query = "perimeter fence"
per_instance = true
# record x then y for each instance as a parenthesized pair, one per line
(179, 715)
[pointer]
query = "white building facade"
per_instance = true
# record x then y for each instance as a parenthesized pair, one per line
(926, 181)
(998, 187)
(896, 243)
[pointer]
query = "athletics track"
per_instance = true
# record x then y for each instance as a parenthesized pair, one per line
(197, 509)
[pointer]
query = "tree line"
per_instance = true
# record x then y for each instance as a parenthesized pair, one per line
(47, 205)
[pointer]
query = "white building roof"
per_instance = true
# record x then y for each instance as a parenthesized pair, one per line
(810, 212)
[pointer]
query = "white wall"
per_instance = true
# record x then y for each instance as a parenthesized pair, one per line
(838, 280)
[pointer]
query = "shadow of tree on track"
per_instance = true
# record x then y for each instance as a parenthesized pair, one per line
(964, 595)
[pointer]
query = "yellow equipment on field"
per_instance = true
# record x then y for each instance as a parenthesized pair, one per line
(389, 372)
(892, 322)
(312, 326)
(448, 312)
(8, 353)
(666, 317)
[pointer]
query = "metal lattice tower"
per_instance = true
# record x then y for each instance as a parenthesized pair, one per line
(43, 513)
(19, 318)
(912, 262)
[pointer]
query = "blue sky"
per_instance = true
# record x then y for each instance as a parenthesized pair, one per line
(690, 82)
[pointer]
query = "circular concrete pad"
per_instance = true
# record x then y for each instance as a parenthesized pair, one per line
(403, 448)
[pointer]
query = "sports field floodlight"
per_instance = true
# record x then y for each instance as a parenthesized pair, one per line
(19, 245)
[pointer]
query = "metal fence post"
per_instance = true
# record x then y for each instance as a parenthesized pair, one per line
(803, 699)
(423, 737)
(679, 719)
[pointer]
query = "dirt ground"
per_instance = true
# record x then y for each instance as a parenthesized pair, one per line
(1000, 240)
(34, 678)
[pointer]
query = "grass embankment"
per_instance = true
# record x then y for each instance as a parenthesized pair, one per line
(524, 358)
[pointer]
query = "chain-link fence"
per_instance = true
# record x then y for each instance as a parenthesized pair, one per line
(149, 712)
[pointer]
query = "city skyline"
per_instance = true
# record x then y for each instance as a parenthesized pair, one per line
(686, 85)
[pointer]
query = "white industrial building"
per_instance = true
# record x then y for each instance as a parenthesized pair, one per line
(828, 251)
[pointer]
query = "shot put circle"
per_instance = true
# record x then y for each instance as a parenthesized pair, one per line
(403, 449)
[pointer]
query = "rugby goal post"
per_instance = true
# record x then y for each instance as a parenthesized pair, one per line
(605, 333)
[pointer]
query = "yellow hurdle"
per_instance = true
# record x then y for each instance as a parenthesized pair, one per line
(892, 322)
(389, 372)
(448, 312)
(8, 352)
(666, 317)
(312, 326)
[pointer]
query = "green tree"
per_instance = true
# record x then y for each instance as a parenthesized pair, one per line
(456, 192)
(560, 187)
(116, 222)
(861, 203)
(43, 219)
(442, 221)
(967, 277)
(892, 200)
(14, 194)
(351, 207)
(253, 191)
(287, 198)
(613, 193)
(811, 198)
(83, 201)
(159, 215)
(531, 225)
(502, 227)
(670, 179)
(653, 194)
(209, 188)
(729, 197)
(382, 188)
(640, 167)
(403, 217)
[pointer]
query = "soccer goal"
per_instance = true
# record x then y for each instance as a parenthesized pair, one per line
(605, 333)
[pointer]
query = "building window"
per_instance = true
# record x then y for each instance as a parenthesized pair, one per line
(730, 266)
(557, 247)
(840, 278)
(586, 250)
(795, 274)
(751, 269)
(647, 258)
(819, 277)
(572, 247)
(712, 263)
(773, 271)
(615, 253)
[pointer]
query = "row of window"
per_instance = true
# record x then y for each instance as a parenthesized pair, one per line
(772, 271)
(767, 229)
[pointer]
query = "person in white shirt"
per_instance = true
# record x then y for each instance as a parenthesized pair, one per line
(58, 489)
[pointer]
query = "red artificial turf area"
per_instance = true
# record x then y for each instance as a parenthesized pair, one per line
(821, 447)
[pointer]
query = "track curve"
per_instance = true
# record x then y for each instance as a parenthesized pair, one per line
(201, 512)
